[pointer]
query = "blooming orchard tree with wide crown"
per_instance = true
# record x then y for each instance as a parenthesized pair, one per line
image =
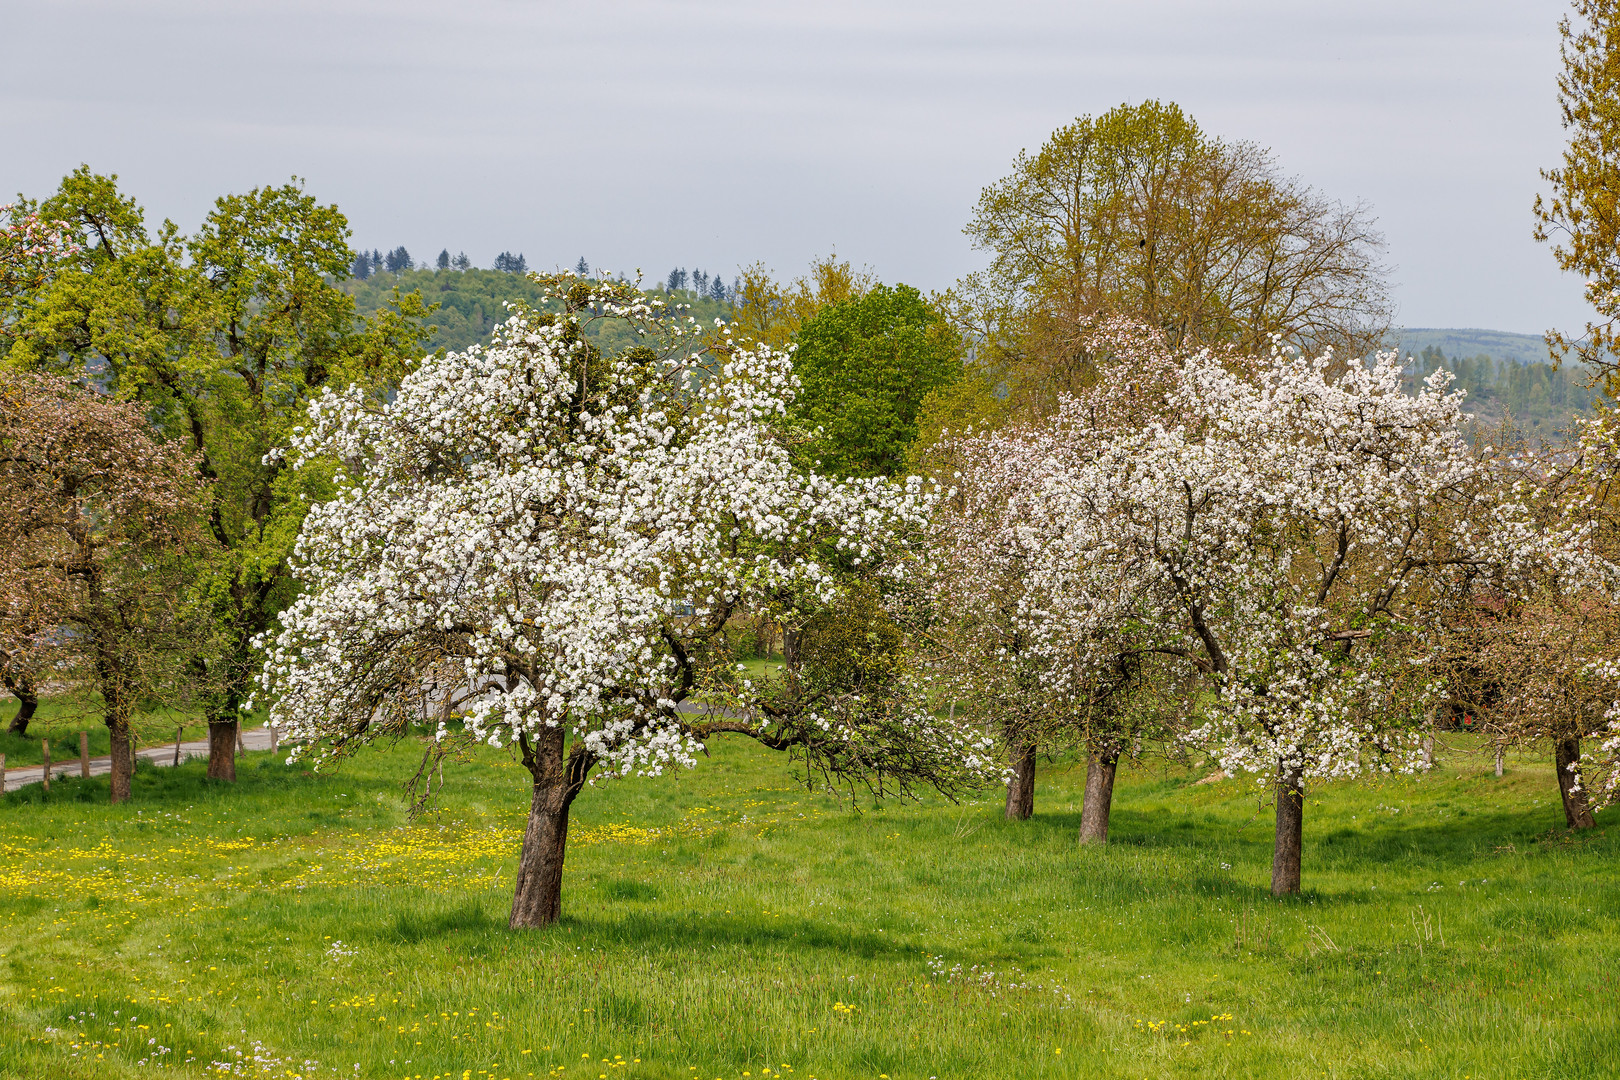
(547, 540)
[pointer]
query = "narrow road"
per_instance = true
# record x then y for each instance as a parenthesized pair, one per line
(256, 738)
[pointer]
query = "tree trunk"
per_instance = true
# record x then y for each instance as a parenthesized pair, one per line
(1498, 759)
(1021, 788)
(537, 898)
(1577, 811)
(1099, 799)
(23, 690)
(123, 756)
(222, 750)
(1290, 831)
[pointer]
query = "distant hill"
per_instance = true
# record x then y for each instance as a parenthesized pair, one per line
(1505, 376)
(1497, 344)
(472, 302)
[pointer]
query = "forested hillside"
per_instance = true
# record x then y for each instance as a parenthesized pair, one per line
(472, 302)
(1505, 376)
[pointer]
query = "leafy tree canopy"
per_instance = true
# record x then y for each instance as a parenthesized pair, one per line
(866, 364)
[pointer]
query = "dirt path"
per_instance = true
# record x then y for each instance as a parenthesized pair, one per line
(257, 738)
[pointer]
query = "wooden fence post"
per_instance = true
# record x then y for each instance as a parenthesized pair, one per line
(179, 731)
(84, 754)
(45, 752)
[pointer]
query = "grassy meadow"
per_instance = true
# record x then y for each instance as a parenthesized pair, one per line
(725, 923)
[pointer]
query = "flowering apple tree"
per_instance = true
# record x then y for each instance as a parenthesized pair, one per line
(1313, 530)
(547, 539)
(1043, 625)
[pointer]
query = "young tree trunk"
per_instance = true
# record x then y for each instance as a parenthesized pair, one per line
(1499, 759)
(1099, 799)
(222, 750)
(1577, 811)
(23, 690)
(1290, 831)
(1021, 788)
(537, 899)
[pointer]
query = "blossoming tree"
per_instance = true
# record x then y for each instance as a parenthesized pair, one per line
(1537, 659)
(1294, 532)
(1313, 529)
(1043, 627)
(104, 533)
(547, 538)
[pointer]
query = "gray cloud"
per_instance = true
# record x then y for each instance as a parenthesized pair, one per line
(712, 133)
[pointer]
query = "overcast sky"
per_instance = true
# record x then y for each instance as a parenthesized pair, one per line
(713, 134)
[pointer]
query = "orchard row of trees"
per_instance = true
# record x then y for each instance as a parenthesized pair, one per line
(1130, 489)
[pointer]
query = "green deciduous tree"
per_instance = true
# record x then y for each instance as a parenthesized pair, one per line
(1139, 212)
(867, 363)
(224, 337)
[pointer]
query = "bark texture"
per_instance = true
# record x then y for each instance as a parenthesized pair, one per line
(23, 690)
(123, 758)
(1290, 832)
(1577, 810)
(537, 899)
(222, 750)
(1021, 788)
(1099, 801)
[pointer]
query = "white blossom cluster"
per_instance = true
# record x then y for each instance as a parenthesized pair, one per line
(538, 535)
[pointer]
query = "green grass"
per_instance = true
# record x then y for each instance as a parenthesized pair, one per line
(724, 922)
(60, 721)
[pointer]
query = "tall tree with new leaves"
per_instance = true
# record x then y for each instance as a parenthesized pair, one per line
(1140, 213)
(1581, 218)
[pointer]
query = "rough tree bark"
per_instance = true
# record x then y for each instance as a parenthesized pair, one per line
(1099, 800)
(22, 688)
(1290, 831)
(1021, 788)
(1577, 811)
(123, 748)
(222, 750)
(537, 899)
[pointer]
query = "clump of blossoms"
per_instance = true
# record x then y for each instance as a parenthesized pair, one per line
(1300, 531)
(547, 537)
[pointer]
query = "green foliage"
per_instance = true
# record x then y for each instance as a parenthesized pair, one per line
(225, 336)
(867, 363)
(851, 646)
(1579, 218)
(743, 922)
